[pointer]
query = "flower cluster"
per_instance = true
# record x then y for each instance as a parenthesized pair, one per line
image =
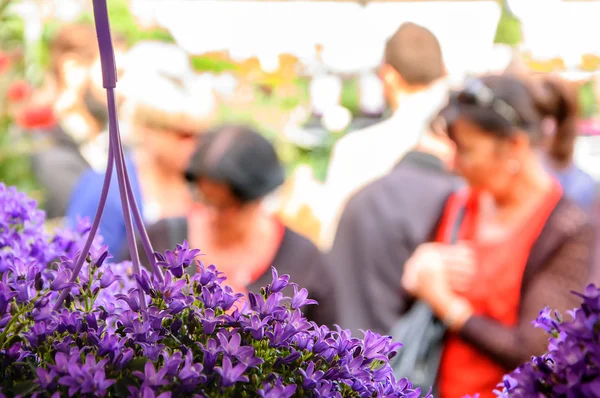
(571, 368)
(160, 336)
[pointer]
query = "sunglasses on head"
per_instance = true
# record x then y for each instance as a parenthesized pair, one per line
(478, 94)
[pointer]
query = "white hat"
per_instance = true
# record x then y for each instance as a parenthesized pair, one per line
(160, 84)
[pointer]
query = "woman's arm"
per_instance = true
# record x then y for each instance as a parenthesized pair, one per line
(566, 271)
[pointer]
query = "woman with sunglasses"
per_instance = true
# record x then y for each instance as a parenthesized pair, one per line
(232, 172)
(522, 245)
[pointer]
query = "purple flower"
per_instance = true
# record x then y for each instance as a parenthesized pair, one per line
(86, 379)
(571, 367)
(187, 334)
(231, 374)
(280, 335)
(178, 260)
(246, 355)
(211, 352)
(44, 378)
(108, 278)
(267, 307)
(256, 326)
(279, 282)
(208, 276)
(172, 363)
(123, 358)
(231, 345)
(218, 298)
(311, 378)
(210, 321)
(375, 345)
(326, 389)
(152, 351)
(191, 373)
(62, 281)
(132, 299)
(146, 392)
(277, 390)
(151, 377)
(300, 298)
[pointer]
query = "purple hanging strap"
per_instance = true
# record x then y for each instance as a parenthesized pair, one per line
(116, 158)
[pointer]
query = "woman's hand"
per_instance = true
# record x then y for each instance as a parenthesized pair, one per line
(460, 265)
(432, 274)
(456, 263)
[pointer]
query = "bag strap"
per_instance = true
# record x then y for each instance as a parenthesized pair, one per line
(453, 216)
(457, 224)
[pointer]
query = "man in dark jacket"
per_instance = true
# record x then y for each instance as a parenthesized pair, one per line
(381, 227)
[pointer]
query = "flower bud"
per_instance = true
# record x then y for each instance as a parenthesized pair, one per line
(175, 326)
(38, 282)
(68, 300)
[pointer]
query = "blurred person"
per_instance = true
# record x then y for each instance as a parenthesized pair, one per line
(523, 245)
(232, 172)
(413, 74)
(577, 185)
(167, 116)
(381, 227)
(80, 110)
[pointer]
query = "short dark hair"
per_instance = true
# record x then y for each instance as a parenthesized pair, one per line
(415, 53)
(239, 157)
(529, 102)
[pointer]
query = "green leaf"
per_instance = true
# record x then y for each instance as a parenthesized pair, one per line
(122, 384)
(137, 364)
(25, 387)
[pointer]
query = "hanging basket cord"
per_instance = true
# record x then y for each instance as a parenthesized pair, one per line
(117, 159)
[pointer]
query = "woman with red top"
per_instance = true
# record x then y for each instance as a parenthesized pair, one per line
(522, 245)
(233, 169)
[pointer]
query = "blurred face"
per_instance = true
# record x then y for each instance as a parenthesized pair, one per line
(95, 78)
(225, 211)
(392, 84)
(170, 147)
(485, 161)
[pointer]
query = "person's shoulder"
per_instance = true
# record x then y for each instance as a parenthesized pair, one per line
(299, 243)
(373, 189)
(358, 138)
(567, 219)
(60, 158)
(90, 179)
(166, 233)
(166, 224)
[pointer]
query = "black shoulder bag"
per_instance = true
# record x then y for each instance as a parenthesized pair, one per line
(422, 335)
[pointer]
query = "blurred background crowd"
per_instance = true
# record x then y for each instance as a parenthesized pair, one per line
(326, 138)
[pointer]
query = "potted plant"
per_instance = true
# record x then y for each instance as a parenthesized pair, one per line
(146, 335)
(571, 368)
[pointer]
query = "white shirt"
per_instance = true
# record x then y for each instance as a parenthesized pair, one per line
(366, 155)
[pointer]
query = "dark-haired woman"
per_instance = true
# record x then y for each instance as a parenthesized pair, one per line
(233, 169)
(522, 247)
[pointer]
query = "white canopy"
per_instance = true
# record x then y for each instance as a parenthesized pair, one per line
(353, 36)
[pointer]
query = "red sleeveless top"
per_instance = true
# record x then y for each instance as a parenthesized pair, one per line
(496, 293)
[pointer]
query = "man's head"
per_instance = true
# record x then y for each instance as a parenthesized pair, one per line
(75, 67)
(72, 51)
(413, 61)
(169, 104)
(93, 93)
